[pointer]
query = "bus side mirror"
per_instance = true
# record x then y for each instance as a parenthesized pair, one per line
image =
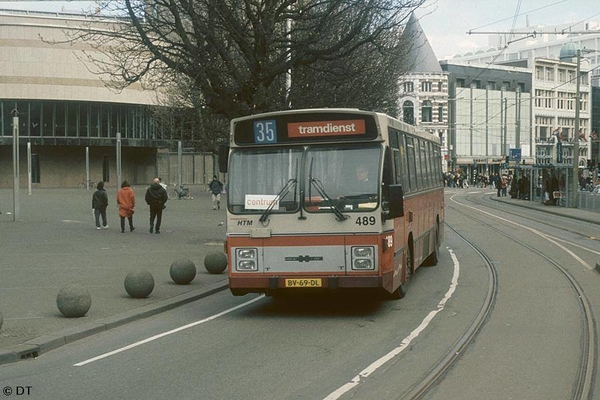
(223, 157)
(396, 201)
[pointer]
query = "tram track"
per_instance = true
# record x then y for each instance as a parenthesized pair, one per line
(437, 372)
(585, 376)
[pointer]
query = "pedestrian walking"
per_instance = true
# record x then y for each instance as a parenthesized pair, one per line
(126, 202)
(503, 184)
(216, 187)
(156, 197)
(99, 204)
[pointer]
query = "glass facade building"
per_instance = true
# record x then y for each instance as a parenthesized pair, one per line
(68, 118)
(87, 121)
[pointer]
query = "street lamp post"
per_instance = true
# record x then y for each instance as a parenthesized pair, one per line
(575, 183)
(15, 165)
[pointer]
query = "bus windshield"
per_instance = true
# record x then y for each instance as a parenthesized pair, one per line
(342, 176)
(333, 179)
(263, 179)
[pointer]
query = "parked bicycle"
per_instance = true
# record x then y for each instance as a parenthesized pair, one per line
(180, 192)
(593, 189)
(86, 184)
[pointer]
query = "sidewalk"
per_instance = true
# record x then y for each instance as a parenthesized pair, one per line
(573, 213)
(55, 243)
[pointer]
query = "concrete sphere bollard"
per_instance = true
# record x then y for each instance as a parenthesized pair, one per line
(215, 263)
(73, 301)
(183, 271)
(139, 284)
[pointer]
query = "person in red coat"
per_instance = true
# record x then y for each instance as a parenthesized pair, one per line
(126, 202)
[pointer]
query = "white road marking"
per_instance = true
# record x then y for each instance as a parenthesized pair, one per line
(365, 373)
(161, 335)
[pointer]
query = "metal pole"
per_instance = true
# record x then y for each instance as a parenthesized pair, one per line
(452, 126)
(15, 165)
(518, 118)
(29, 167)
(487, 124)
(575, 183)
(471, 119)
(179, 166)
(502, 122)
(87, 168)
(119, 171)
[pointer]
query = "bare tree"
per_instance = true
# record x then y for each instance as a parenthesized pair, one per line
(236, 53)
(368, 79)
(183, 115)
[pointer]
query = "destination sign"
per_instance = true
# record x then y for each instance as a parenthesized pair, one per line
(326, 128)
(274, 129)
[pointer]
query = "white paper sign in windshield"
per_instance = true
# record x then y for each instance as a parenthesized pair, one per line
(261, 201)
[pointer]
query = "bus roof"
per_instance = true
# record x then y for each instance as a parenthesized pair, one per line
(317, 125)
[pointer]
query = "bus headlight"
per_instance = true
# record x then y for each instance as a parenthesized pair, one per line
(246, 260)
(363, 258)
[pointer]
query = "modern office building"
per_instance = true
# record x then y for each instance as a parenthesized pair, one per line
(69, 121)
(490, 115)
(531, 42)
(506, 105)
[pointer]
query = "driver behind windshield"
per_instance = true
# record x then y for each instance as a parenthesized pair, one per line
(362, 184)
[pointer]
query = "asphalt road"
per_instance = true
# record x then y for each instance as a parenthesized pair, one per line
(255, 348)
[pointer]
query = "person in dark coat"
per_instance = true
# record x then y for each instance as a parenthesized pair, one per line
(216, 187)
(156, 197)
(99, 204)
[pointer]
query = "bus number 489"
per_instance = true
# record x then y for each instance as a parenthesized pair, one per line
(365, 220)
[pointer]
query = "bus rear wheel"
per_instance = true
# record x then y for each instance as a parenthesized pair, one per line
(433, 258)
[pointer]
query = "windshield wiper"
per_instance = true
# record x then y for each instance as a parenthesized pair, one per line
(282, 193)
(319, 186)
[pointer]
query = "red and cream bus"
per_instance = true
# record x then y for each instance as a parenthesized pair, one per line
(330, 199)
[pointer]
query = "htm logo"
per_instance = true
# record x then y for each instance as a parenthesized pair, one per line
(304, 258)
(244, 223)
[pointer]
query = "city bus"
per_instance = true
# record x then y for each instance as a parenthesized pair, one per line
(327, 199)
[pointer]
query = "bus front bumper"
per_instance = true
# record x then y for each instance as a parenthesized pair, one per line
(247, 284)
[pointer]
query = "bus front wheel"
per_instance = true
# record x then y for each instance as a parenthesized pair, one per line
(401, 290)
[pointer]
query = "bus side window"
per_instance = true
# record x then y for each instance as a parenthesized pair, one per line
(397, 148)
(388, 178)
(411, 165)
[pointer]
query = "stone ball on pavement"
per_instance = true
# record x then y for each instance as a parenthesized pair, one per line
(215, 263)
(73, 301)
(183, 271)
(139, 284)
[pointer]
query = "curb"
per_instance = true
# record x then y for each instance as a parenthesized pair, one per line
(549, 210)
(34, 347)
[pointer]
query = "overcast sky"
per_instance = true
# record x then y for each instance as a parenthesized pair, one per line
(446, 22)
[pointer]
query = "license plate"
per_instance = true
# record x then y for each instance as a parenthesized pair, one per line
(307, 282)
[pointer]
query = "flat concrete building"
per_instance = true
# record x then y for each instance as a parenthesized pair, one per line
(68, 120)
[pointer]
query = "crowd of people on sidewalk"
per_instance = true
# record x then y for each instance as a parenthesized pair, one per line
(502, 183)
(458, 179)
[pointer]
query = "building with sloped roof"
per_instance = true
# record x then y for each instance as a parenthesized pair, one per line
(423, 97)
